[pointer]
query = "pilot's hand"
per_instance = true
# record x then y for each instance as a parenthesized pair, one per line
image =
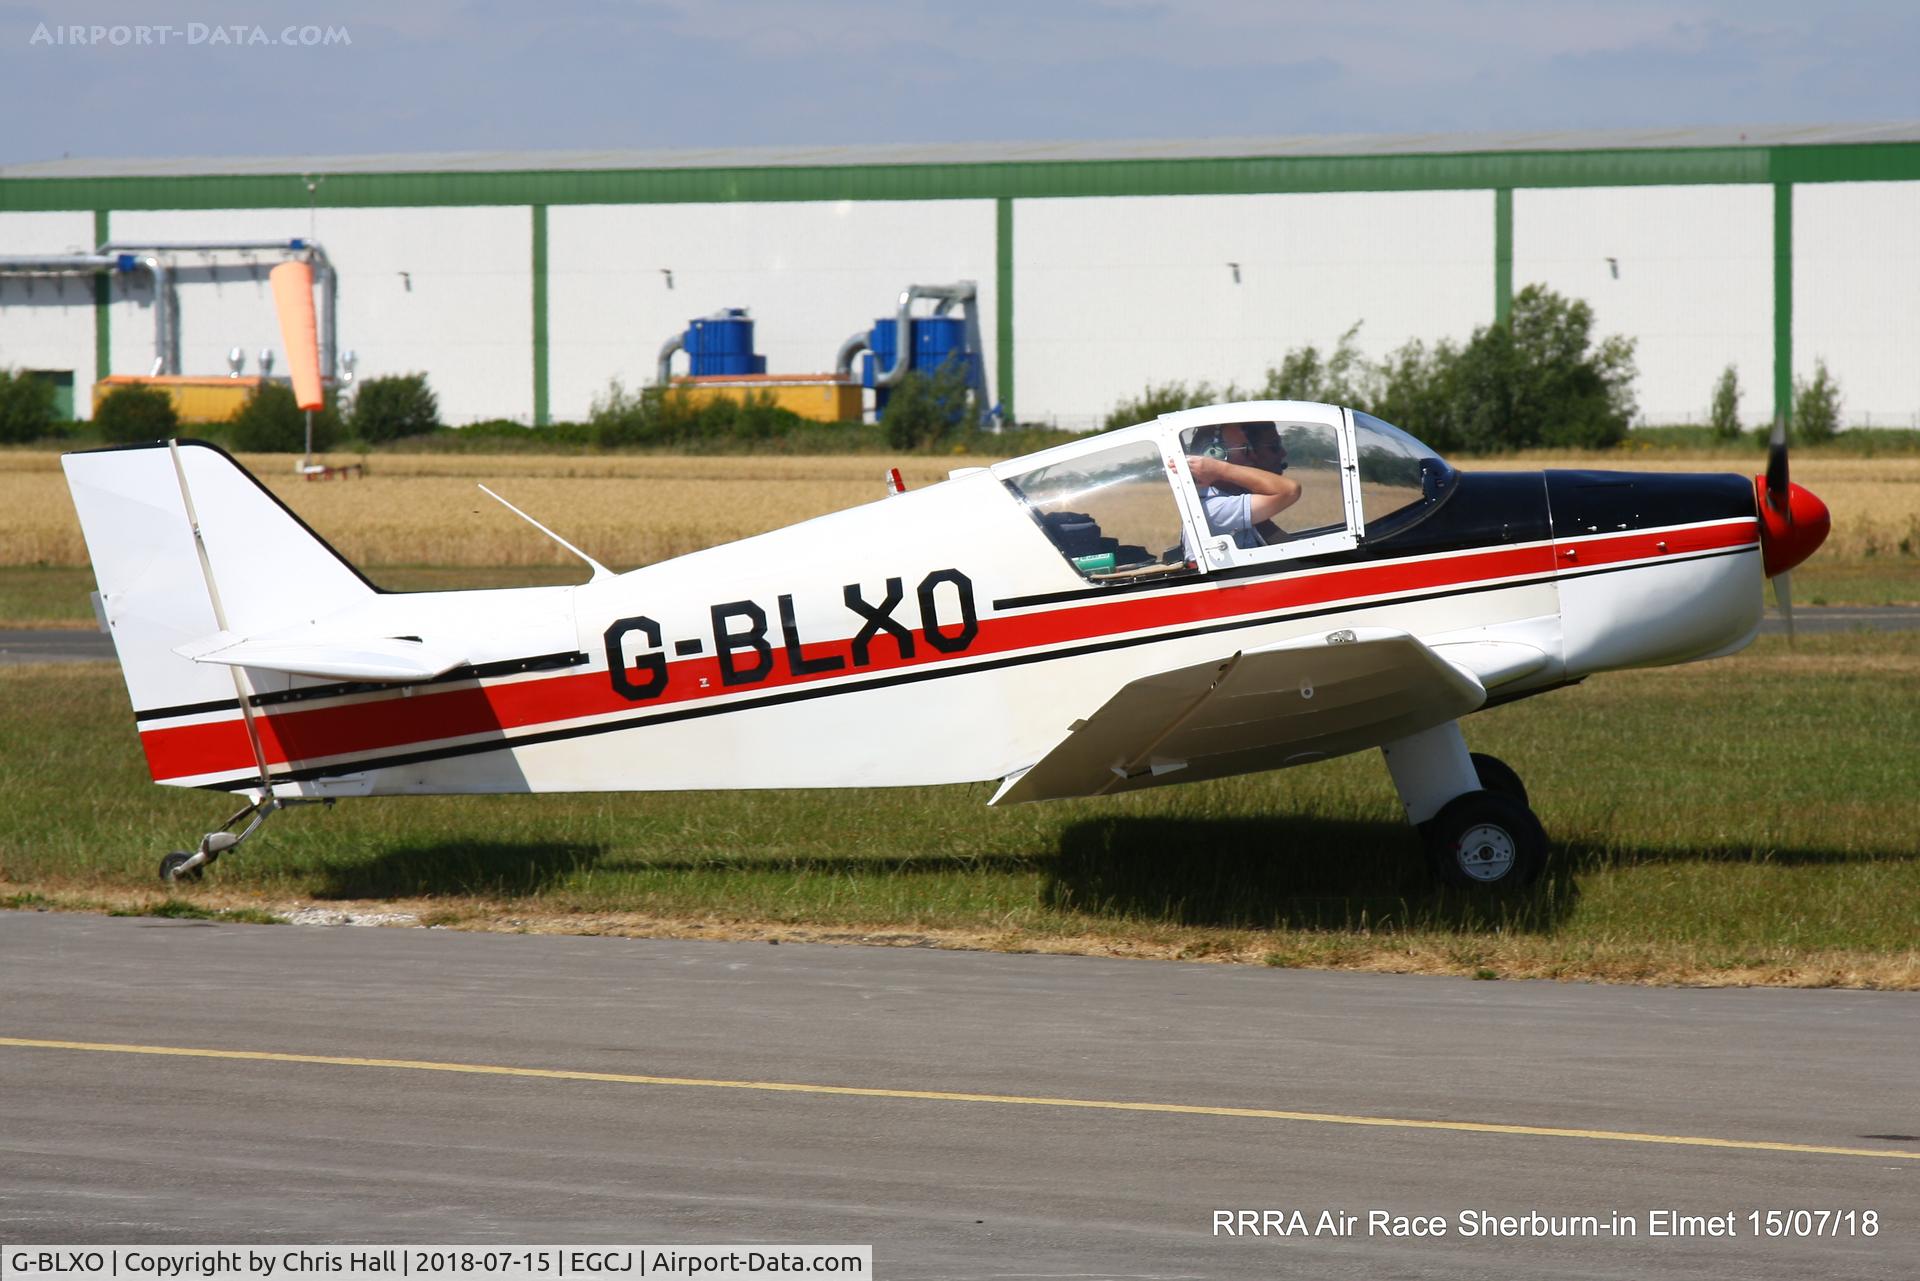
(1205, 469)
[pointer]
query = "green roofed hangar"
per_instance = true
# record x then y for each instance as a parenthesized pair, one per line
(524, 283)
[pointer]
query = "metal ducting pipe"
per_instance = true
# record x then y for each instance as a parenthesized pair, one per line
(676, 343)
(963, 293)
(166, 332)
(316, 253)
(55, 264)
(165, 348)
(853, 346)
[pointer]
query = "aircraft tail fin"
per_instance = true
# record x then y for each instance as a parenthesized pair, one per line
(185, 544)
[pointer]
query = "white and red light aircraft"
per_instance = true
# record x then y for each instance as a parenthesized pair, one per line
(1066, 623)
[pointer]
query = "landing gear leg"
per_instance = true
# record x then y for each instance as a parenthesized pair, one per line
(182, 866)
(1479, 835)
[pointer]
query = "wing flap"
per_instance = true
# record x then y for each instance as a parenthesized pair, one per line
(1308, 699)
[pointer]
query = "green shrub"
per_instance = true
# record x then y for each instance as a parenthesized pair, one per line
(271, 422)
(623, 418)
(1413, 385)
(923, 409)
(1559, 391)
(137, 411)
(1536, 380)
(1303, 374)
(1168, 398)
(663, 417)
(26, 407)
(1816, 406)
(1724, 415)
(389, 408)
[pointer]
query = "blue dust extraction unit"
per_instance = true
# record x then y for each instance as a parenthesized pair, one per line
(932, 341)
(723, 344)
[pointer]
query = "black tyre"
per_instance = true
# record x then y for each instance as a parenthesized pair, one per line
(170, 868)
(1498, 776)
(1484, 841)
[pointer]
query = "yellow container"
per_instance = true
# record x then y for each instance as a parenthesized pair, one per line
(821, 397)
(195, 399)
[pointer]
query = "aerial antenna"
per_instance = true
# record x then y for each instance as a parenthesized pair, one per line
(599, 571)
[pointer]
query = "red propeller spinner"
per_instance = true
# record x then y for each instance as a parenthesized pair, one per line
(1793, 521)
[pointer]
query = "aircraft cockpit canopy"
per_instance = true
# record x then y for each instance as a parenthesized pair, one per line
(1400, 478)
(1109, 512)
(1124, 507)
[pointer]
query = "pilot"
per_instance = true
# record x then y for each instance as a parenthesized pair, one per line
(1240, 471)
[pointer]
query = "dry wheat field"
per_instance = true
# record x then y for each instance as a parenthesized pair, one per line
(626, 510)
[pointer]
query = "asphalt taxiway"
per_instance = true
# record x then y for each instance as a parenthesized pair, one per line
(968, 1114)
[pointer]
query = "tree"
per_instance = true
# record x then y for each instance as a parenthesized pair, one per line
(1724, 416)
(271, 422)
(1339, 379)
(389, 408)
(1538, 379)
(136, 412)
(1166, 398)
(923, 409)
(26, 407)
(1564, 394)
(1816, 406)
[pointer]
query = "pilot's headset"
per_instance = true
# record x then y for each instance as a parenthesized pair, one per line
(1209, 443)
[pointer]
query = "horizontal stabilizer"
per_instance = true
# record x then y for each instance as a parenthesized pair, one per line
(384, 658)
(1305, 700)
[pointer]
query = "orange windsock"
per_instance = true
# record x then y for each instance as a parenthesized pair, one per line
(293, 299)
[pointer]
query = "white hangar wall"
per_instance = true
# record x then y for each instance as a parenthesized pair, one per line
(1114, 293)
(448, 291)
(1686, 271)
(811, 274)
(46, 322)
(1856, 296)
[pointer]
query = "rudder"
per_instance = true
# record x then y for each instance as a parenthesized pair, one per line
(255, 567)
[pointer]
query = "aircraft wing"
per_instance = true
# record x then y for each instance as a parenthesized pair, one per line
(371, 658)
(1307, 699)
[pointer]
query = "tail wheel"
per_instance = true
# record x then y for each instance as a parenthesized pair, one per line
(1485, 841)
(1498, 776)
(170, 868)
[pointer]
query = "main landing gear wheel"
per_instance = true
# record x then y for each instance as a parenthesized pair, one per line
(1498, 776)
(170, 868)
(1485, 841)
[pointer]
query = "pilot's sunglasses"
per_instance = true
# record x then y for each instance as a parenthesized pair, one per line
(1271, 447)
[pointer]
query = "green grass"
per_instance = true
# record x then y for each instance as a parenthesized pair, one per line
(45, 595)
(1873, 581)
(1757, 817)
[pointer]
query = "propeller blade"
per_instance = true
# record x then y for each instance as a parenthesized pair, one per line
(1783, 597)
(1777, 470)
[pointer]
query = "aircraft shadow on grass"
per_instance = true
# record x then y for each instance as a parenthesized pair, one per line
(1583, 855)
(1302, 873)
(486, 868)
(518, 868)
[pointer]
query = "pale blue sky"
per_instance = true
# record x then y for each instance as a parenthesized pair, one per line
(443, 75)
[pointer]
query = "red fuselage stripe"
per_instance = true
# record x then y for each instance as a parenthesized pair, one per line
(387, 720)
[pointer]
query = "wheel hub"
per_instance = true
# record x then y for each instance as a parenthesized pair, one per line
(1485, 852)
